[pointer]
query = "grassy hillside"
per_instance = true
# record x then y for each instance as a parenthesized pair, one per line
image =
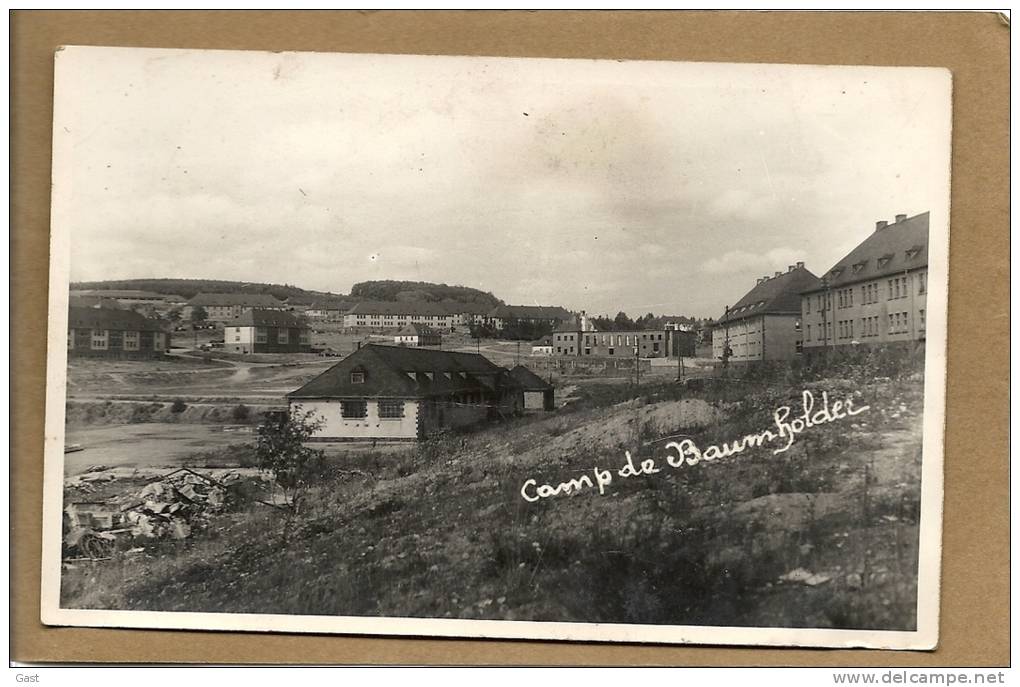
(441, 529)
(189, 287)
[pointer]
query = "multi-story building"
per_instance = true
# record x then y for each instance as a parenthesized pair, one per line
(114, 333)
(266, 331)
(381, 315)
(765, 324)
(876, 294)
(223, 307)
(578, 336)
(503, 315)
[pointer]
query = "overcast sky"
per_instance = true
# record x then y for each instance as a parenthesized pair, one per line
(596, 185)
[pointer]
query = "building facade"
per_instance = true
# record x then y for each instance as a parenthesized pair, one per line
(114, 333)
(402, 393)
(386, 315)
(266, 331)
(417, 335)
(876, 294)
(503, 315)
(765, 325)
(223, 307)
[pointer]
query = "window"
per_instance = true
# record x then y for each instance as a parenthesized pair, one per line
(282, 336)
(131, 341)
(391, 410)
(796, 326)
(808, 337)
(353, 409)
(922, 284)
(920, 317)
(99, 337)
(357, 377)
(260, 335)
(610, 351)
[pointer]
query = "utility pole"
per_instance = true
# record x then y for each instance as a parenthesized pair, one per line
(637, 363)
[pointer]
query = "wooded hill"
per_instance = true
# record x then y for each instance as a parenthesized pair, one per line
(392, 290)
(388, 290)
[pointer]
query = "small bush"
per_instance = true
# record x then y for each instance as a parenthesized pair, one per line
(179, 406)
(241, 413)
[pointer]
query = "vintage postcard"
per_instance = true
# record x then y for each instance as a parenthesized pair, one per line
(490, 347)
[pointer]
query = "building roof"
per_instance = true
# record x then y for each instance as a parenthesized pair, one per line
(111, 318)
(544, 341)
(529, 312)
(528, 380)
(397, 308)
(93, 301)
(330, 304)
(416, 329)
(245, 299)
(260, 317)
(398, 371)
(120, 293)
(779, 294)
(890, 249)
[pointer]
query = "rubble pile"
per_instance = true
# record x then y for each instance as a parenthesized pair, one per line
(174, 506)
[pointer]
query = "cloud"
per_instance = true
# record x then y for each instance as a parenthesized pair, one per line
(742, 261)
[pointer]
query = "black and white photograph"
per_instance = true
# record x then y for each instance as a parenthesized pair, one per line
(600, 350)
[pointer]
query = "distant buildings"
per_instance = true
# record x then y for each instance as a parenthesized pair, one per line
(396, 314)
(876, 294)
(542, 347)
(393, 392)
(113, 333)
(414, 334)
(504, 315)
(266, 331)
(223, 307)
(578, 336)
(538, 393)
(766, 323)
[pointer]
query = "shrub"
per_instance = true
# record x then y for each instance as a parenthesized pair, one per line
(241, 412)
(280, 451)
(179, 406)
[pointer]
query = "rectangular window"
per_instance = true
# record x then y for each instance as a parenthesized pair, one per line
(260, 335)
(353, 409)
(357, 378)
(922, 283)
(283, 336)
(809, 332)
(303, 336)
(131, 341)
(920, 317)
(610, 351)
(391, 410)
(99, 338)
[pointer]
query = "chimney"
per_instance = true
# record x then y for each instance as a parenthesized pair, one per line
(800, 265)
(900, 218)
(790, 268)
(881, 224)
(778, 274)
(760, 280)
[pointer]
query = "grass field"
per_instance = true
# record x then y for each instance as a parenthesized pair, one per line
(823, 535)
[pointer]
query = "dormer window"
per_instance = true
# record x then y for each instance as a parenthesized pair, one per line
(358, 377)
(912, 252)
(884, 260)
(836, 271)
(858, 266)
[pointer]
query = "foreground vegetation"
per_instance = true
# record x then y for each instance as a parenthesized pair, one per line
(823, 535)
